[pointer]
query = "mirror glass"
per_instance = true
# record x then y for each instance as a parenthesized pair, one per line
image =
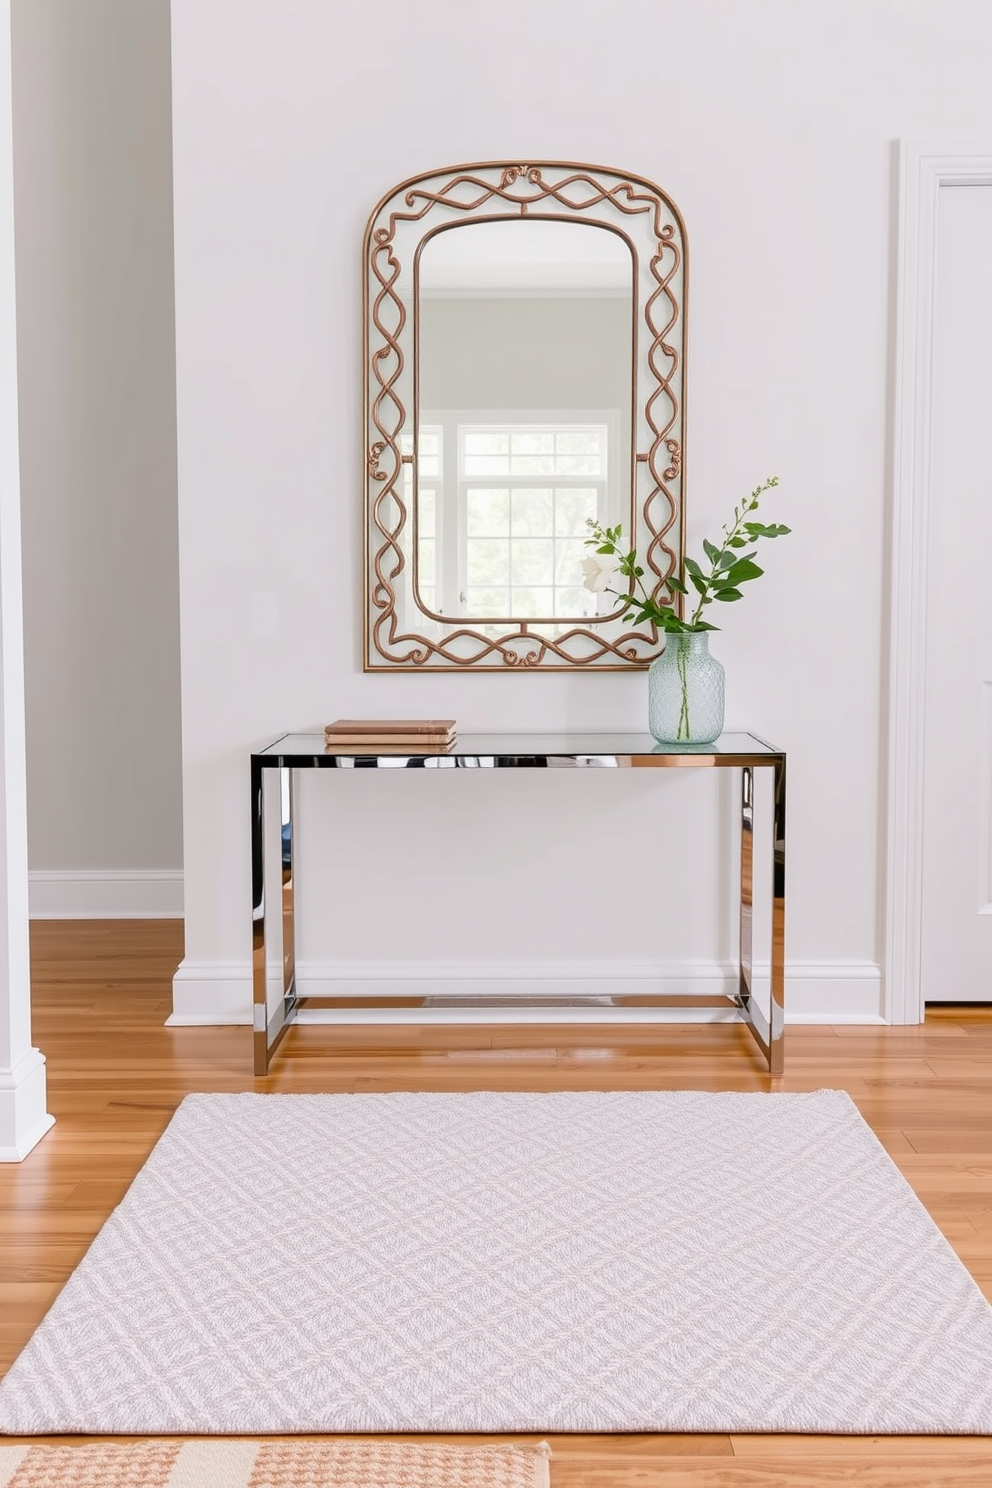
(524, 406)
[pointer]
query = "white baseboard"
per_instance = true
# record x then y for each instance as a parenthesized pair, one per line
(24, 1117)
(211, 992)
(106, 894)
(816, 992)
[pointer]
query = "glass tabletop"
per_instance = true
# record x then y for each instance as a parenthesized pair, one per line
(520, 748)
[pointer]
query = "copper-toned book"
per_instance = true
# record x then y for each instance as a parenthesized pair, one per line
(380, 727)
(422, 741)
(364, 746)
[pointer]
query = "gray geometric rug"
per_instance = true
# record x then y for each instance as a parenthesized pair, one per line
(658, 1261)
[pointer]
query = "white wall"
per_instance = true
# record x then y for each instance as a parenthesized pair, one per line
(93, 190)
(772, 125)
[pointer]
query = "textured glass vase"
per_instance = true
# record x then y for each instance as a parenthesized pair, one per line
(685, 691)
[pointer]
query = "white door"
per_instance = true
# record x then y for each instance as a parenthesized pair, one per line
(956, 928)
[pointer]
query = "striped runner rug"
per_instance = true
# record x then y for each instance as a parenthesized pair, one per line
(275, 1464)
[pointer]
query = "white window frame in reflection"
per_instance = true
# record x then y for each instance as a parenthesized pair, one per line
(449, 482)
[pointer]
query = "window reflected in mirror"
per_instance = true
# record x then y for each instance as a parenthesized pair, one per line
(502, 513)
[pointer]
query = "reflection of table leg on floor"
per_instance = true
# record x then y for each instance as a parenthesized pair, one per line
(768, 1033)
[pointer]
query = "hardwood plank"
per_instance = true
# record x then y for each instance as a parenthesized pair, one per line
(771, 1472)
(957, 1140)
(37, 1193)
(972, 1068)
(928, 1107)
(903, 1033)
(894, 1142)
(933, 1173)
(813, 1445)
(637, 1446)
(40, 1259)
(61, 1226)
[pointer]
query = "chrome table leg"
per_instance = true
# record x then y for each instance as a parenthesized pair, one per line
(268, 1032)
(287, 789)
(776, 1032)
(768, 1035)
(747, 889)
(259, 1006)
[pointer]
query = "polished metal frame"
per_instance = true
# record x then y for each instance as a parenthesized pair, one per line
(499, 191)
(744, 752)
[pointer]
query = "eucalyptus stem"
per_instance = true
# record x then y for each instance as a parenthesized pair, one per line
(722, 560)
(683, 731)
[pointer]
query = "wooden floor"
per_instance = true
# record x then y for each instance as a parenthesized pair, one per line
(102, 993)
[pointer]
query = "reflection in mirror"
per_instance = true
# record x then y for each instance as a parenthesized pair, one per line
(525, 406)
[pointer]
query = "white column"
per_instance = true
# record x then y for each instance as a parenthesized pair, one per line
(24, 1118)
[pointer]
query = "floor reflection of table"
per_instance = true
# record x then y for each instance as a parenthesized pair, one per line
(743, 752)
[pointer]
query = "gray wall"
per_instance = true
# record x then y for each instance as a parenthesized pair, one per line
(96, 353)
(525, 353)
(510, 353)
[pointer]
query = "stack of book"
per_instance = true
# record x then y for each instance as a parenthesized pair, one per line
(391, 735)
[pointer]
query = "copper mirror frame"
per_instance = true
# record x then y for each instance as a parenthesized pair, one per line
(401, 634)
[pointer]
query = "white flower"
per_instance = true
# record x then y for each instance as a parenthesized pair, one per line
(599, 571)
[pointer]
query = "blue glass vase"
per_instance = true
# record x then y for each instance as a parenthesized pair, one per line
(686, 691)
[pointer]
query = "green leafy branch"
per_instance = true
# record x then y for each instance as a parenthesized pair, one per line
(729, 567)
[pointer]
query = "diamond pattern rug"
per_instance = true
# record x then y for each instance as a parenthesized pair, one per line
(579, 1262)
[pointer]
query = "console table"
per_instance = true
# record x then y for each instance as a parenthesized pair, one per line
(743, 752)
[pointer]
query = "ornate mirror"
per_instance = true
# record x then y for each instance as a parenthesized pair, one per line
(524, 372)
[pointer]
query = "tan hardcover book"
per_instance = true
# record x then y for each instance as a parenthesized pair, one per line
(360, 746)
(433, 727)
(427, 740)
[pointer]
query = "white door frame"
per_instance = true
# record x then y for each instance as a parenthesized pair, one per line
(925, 168)
(24, 1117)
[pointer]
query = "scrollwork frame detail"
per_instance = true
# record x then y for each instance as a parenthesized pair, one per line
(660, 282)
